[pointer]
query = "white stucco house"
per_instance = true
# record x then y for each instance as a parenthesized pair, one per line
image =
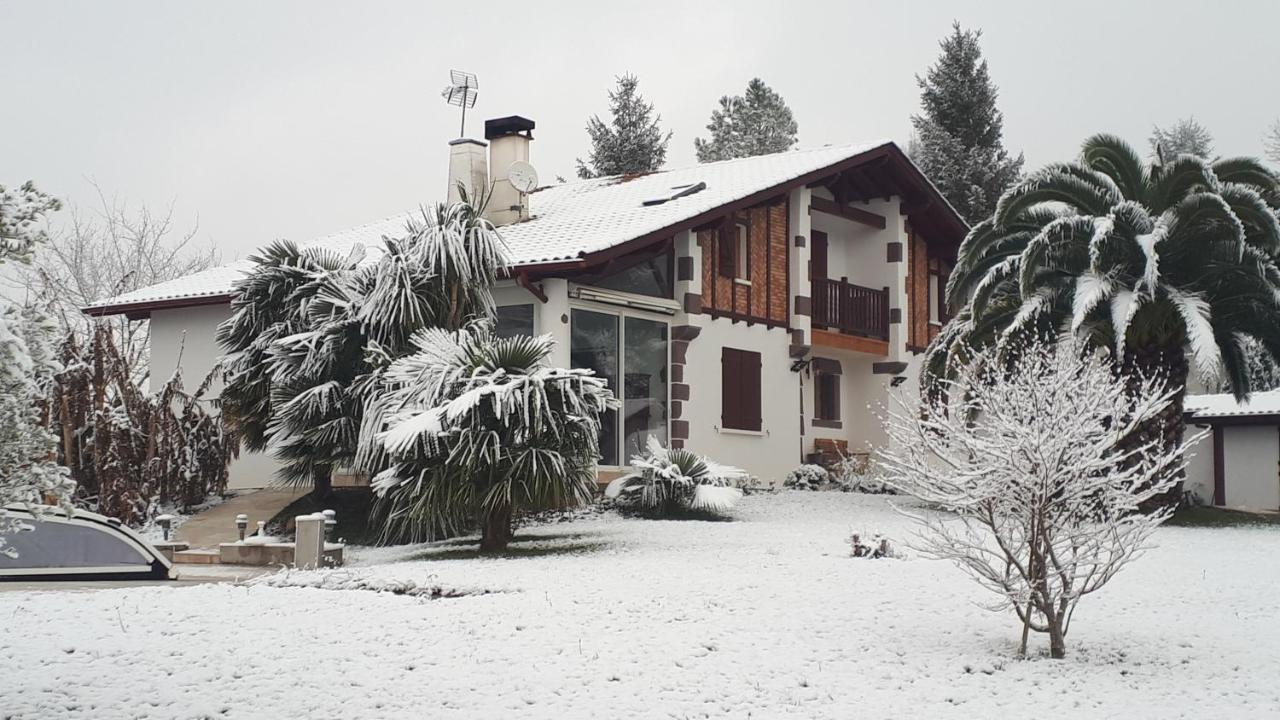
(1237, 464)
(751, 310)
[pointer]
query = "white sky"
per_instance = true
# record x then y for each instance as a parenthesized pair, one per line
(296, 119)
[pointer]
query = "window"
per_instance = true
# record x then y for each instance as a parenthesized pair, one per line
(513, 320)
(733, 251)
(826, 397)
(632, 350)
(742, 248)
(935, 299)
(740, 389)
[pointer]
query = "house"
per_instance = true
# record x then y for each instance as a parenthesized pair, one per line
(754, 310)
(1237, 465)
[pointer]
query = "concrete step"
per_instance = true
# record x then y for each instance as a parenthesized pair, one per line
(197, 557)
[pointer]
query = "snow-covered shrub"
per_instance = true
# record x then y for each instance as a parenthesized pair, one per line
(669, 481)
(1042, 468)
(131, 451)
(28, 475)
(875, 548)
(857, 473)
(478, 428)
(807, 477)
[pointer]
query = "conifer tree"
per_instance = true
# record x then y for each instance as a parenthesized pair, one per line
(958, 141)
(632, 142)
(756, 123)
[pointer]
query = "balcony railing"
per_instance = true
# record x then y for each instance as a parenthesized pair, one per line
(841, 305)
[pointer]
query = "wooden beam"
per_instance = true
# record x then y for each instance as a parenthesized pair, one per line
(522, 279)
(856, 343)
(848, 213)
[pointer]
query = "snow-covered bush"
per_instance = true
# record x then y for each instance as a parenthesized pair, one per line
(857, 473)
(131, 451)
(875, 548)
(28, 474)
(807, 477)
(1041, 467)
(669, 481)
(479, 428)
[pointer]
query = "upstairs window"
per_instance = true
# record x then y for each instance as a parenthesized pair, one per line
(733, 251)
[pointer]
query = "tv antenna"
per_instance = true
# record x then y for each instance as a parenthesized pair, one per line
(461, 91)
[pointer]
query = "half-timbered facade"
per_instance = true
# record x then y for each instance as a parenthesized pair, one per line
(754, 310)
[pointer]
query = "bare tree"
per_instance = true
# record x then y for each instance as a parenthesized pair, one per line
(1039, 475)
(109, 250)
(1272, 141)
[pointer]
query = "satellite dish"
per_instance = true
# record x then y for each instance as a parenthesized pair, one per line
(522, 176)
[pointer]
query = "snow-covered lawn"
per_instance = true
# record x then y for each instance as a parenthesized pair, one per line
(605, 617)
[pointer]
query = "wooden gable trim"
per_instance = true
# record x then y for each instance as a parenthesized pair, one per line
(858, 215)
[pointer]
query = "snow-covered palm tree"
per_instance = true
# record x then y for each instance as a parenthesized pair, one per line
(293, 351)
(1160, 263)
(478, 428)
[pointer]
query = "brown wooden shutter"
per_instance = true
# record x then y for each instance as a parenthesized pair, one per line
(726, 250)
(740, 389)
(818, 258)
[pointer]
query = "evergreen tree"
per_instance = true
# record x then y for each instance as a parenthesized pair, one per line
(958, 141)
(1185, 137)
(632, 143)
(28, 362)
(757, 123)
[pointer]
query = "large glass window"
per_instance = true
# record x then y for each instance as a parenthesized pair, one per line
(644, 403)
(647, 273)
(512, 320)
(593, 344)
(633, 350)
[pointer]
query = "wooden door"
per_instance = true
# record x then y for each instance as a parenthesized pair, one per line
(818, 258)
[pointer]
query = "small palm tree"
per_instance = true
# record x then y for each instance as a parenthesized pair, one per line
(669, 481)
(1159, 263)
(478, 428)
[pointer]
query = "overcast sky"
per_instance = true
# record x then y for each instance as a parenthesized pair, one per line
(296, 119)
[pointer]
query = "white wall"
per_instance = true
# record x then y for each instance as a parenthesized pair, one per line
(1199, 472)
(190, 334)
(1250, 457)
(774, 451)
(863, 396)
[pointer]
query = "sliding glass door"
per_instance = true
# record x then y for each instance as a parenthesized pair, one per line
(630, 353)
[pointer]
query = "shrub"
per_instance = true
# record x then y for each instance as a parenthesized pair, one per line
(669, 481)
(807, 477)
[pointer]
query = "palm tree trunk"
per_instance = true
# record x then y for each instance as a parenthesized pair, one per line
(1169, 362)
(322, 482)
(495, 532)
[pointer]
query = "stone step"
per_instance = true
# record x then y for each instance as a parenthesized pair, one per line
(197, 557)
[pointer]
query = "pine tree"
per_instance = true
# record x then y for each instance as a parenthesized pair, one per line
(958, 141)
(1185, 137)
(632, 143)
(757, 123)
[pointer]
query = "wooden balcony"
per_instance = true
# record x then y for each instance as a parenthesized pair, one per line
(851, 309)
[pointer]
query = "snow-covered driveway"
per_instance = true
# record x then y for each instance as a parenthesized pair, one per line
(763, 617)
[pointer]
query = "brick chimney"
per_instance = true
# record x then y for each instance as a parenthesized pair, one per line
(509, 139)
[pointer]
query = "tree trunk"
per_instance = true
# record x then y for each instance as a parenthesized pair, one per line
(1167, 361)
(496, 531)
(322, 482)
(1057, 640)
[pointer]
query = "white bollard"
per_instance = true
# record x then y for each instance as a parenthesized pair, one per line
(308, 546)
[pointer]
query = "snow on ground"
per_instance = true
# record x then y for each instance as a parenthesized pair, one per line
(608, 617)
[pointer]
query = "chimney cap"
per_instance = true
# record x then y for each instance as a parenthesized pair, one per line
(510, 125)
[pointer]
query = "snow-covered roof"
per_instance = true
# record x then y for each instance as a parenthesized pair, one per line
(569, 221)
(1226, 405)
